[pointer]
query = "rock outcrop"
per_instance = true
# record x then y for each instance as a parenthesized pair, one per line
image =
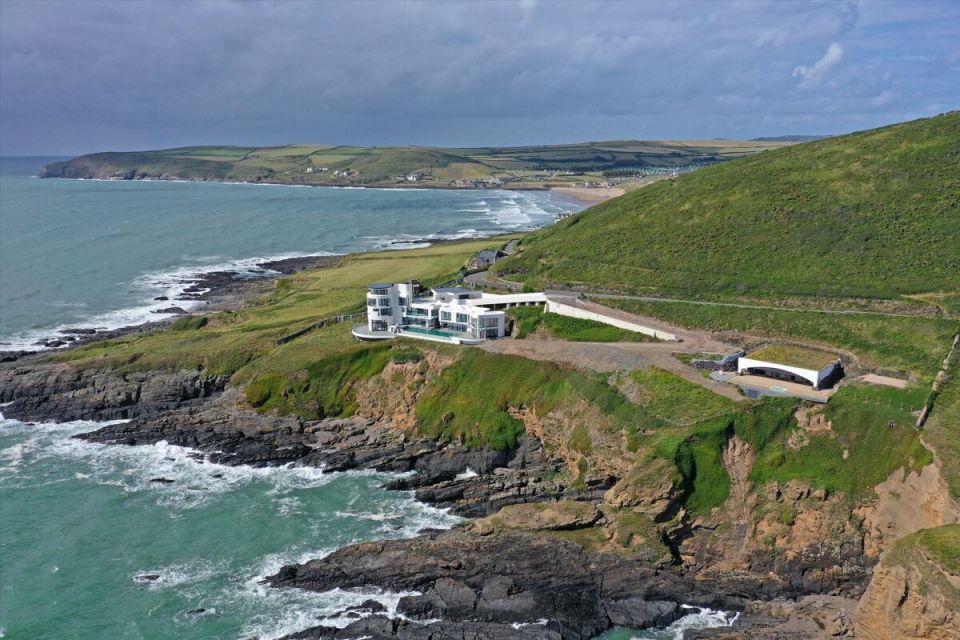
(60, 392)
(508, 578)
(915, 590)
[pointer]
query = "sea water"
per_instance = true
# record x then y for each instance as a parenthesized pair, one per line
(96, 542)
(92, 253)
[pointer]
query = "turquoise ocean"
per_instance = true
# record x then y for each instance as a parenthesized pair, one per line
(92, 545)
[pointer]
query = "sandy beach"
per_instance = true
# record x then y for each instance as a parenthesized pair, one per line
(591, 195)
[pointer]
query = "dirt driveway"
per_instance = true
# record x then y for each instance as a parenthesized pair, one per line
(607, 357)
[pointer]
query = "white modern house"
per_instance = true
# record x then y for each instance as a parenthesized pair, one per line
(792, 364)
(465, 316)
(443, 314)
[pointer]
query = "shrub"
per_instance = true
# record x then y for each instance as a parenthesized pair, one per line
(189, 323)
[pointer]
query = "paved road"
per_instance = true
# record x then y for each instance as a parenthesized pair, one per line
(486, 279)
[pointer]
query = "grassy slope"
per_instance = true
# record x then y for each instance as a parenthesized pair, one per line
(244, 343)
(382, 165)
(940, 546)
(942, 430)
(530, 319)
(867, 214)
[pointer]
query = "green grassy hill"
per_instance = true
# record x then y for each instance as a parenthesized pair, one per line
(870, 214)
(525, 167)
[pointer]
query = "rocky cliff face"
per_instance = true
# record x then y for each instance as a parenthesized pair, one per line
(915, 591)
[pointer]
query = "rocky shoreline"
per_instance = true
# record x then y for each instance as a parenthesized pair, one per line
(476, 581)
(216, 290)
(482, 579)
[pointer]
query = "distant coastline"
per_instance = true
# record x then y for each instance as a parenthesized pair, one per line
(587, 196)
(589, 172)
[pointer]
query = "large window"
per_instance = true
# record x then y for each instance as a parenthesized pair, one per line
(445, 316)
(379, 325)
(463, 318)
(380, 292)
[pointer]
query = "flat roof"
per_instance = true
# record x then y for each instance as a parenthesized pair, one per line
(379, 285)
(803, 357)
(452, 290)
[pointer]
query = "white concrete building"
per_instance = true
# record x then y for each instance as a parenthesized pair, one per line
(465, 316)
(792, 364)
(448, 314)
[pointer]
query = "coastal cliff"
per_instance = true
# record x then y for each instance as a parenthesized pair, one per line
(915, 591)
(624, 558)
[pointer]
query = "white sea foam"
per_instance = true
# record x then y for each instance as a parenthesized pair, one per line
(12, 456)
(267, 612)
(171, 284)
(466, 475)
(278, 612)
(698, 618)
(175, 575)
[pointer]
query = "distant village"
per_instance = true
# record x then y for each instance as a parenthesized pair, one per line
(603, 180)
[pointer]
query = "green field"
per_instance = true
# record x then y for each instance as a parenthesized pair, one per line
(871, 214)
(523, 167)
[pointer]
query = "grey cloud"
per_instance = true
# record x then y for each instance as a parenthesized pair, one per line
(85, 76)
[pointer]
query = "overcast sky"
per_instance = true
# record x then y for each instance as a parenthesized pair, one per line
(82, 75)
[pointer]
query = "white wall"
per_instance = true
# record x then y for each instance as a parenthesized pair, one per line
(508, 298)
(553, 306)
(811, 375)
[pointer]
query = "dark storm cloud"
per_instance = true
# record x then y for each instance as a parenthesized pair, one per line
(79, 76)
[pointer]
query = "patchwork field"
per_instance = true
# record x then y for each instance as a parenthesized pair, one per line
(518, 167)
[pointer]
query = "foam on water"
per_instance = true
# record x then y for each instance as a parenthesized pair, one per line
(220, 587)
(131, 249)
(170, 284)
(695, 618)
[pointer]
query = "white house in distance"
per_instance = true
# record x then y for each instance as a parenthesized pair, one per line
(444, 314)
(792, 364)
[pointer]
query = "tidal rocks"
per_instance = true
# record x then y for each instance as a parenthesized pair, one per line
(507, 578)
(59, 393)
(232, 436)
(381, 628)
